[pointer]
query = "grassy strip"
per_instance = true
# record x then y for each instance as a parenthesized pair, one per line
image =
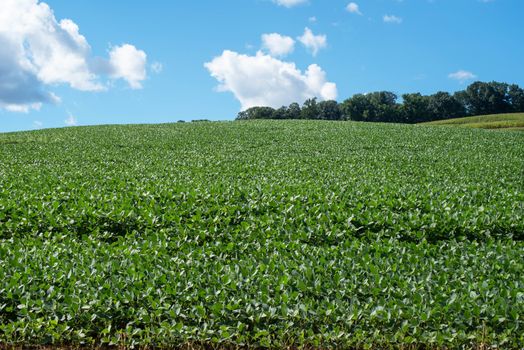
(497, 121)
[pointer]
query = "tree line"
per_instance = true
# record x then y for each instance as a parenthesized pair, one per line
(479, 98)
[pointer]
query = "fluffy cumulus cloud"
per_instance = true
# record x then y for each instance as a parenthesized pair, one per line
(263, 80)
(38, 50)
(278, 45)
(313, 42)
(462, 76)
(289, 3)
(128, 63)
(353, 8)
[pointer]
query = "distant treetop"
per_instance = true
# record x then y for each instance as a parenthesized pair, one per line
(478, 98)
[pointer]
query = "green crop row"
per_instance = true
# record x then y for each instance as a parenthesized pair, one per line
(164, 290)
(271, 234)
(321, 180)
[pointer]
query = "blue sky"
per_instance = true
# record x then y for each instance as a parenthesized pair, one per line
(145, 62)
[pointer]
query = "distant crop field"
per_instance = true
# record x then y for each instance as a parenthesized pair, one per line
(514, 121)
(262, 234)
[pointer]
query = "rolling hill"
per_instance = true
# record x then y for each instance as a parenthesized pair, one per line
(257, 234)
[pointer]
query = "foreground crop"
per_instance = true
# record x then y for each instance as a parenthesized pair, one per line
(262, 234)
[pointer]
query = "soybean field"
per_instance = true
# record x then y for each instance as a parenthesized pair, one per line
(262, 234)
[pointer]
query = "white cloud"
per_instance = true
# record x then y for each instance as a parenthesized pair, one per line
(312, 19)
(129, 64)
(38, 50)
(262, 80)
(37, 124)
(289, 3)
(18, 108)
(462, 76)
(157, 67)
(313, 42)
(71, 120)
(353, 8)
(392, 19)
(278, 45)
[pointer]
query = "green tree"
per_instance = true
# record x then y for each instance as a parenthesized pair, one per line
(310, 109)
(280, 113)
(516, 97)
(416, 108)
(329, 110)
(256, 113)
(294, 111)
(486, 98)
(442, 105)
(384, 107)
(355, 107)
